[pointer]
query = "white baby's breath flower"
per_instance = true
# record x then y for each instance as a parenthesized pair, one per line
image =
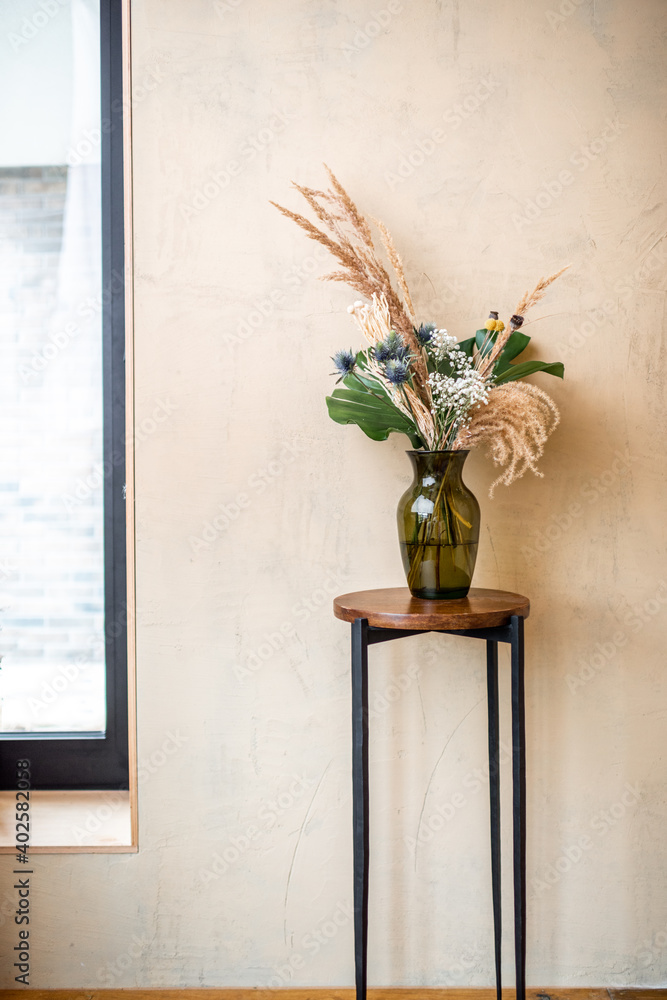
(456, 393)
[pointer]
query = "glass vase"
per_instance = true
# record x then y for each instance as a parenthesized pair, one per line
(438, 526)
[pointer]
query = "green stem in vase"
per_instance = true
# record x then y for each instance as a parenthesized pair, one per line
(437, 545)
(426, 530)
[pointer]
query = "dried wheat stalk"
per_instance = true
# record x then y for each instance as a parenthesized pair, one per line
(514, 425)
(422, 416)
(532, 298)
(350, 241)
(397, 264)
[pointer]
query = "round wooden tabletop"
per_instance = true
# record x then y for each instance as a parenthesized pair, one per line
(395, 607)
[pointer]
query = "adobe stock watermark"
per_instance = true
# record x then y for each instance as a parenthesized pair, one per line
(272, 642)
(590, 493)
(311, 944)
(625, 290)
(267, 817)
(253, 144)
(450, 291)
(69, 673)
(31, 26)
(7, 569)
(468, 960)
(651, 948)
(91, 138)
(61, 339)
(86, 486)
(381, 701)
(551, 190)
(256, 484)
(376, 25)
(97, 818)
(565, 10)
(266, 306)
(601, 824)
(223, 7)
(452, 118)
(471, 784)
(638, 616)
(108, 974)
(113, 801)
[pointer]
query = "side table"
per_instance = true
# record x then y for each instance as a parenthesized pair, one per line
(495, 616)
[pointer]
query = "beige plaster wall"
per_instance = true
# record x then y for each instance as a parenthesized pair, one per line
(254, 509)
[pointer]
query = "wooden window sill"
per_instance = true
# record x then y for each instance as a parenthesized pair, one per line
(71, 823)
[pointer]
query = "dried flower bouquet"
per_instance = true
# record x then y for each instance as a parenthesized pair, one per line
(417, 379)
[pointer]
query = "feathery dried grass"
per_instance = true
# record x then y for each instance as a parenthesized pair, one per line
(532, 298)
(514, 425)
(421, 415)
(517, 420)
(397, 264)
(349, 240)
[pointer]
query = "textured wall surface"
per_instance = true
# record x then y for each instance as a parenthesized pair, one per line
(497, 142)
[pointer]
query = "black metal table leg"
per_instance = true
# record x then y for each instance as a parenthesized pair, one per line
(494, 788)
(364, 635)
(360, 800)
(519, 798)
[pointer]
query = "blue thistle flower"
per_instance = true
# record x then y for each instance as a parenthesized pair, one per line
(381, 352)
(425, 333)
(345, 362)
(393, 348)
(397, 371)
(396, 346)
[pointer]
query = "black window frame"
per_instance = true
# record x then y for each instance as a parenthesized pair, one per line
(68, 761)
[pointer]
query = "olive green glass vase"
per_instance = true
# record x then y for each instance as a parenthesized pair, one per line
(438, 526)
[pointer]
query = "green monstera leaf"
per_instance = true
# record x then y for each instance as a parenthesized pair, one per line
(467, 346)
(514, 372)
(371, 409)
(503, 369)
(516, 343)
(484, 340)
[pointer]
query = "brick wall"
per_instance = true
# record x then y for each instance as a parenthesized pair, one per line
(51, 488)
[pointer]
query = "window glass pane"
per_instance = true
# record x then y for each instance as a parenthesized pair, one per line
(51, 446)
